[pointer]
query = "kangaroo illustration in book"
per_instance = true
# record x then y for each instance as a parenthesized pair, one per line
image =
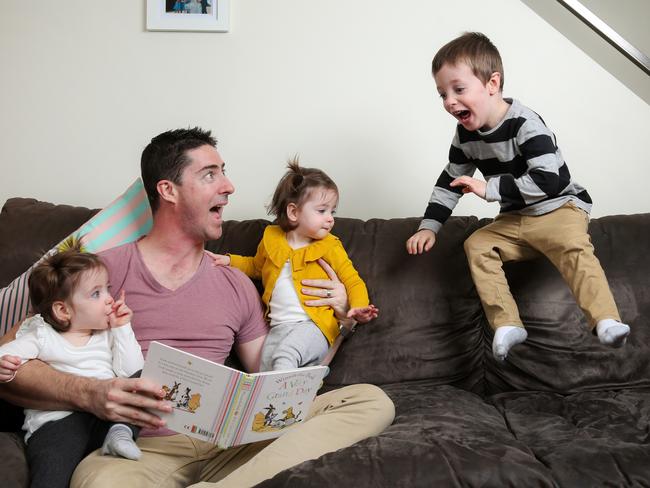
(270, 414)
(185, 399)
(170, 393)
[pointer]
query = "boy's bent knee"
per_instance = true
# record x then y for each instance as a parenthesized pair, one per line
(474, 244)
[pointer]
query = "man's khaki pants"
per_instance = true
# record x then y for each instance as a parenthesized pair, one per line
(337, 419)
(562, 237)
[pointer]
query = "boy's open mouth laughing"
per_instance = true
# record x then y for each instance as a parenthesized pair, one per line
(462, 115)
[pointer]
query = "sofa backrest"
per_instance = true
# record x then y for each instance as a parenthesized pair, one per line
(29, 228)
(431, 325)
(430, 320)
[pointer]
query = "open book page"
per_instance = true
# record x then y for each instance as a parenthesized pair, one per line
(280, 399)
(218, 404)
(197, 389)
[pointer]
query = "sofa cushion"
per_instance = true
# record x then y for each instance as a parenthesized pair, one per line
(30, 228)
(30, 225)
(586, 439)
(561, 354)
(125, 219)
(14, 463)
(441, 436)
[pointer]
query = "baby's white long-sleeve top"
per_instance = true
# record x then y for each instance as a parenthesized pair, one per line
(108, 353)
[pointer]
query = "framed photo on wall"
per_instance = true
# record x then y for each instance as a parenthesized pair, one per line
(188, 15)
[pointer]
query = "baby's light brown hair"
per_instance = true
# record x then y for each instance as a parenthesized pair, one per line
(55, 278)
(295, 187)
(475, 50)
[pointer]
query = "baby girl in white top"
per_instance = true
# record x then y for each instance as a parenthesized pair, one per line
(80, 329)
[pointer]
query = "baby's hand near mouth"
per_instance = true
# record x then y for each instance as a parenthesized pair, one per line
(120, 314)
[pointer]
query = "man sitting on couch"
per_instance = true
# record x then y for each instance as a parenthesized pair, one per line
(178, 297)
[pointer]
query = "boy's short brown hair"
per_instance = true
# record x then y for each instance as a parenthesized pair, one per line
(475, 50)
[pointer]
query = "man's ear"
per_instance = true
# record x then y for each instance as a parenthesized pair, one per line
(292, 212)
(494, 83)
(62, 312)
(167, 191)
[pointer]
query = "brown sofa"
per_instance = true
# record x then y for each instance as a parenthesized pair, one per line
(563, 410)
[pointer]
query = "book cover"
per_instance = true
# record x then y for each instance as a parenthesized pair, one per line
(227, 407)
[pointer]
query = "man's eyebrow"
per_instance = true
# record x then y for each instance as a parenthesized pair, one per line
(211, 166)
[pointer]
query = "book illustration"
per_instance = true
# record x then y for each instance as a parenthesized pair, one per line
(188, 402)
(218, 404)
(170, 393)
(267, 421)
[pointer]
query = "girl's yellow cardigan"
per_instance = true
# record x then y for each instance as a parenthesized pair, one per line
(274, 251)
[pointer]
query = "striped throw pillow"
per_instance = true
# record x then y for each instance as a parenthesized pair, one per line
(125, 219)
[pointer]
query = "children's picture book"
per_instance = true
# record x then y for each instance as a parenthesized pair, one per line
(227, 407)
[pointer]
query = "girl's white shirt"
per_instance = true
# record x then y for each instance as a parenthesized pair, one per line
(284, 305)
(108, 353)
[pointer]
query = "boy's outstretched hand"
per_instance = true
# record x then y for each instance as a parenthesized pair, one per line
(363, 315)
(218, 259)
(8, 367)
(422, 241)
(471, 185)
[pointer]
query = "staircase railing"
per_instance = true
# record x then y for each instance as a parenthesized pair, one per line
(607, 33)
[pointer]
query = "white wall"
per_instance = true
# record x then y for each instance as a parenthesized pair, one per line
(344, 83)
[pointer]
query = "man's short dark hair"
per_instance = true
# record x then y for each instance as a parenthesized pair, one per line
(166, 156)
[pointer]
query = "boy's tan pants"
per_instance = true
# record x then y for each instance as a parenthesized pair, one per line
(562, 237)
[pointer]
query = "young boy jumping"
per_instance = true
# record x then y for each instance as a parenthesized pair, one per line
(543, 211)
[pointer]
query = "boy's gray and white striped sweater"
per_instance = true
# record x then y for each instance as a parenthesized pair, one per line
(520, 160)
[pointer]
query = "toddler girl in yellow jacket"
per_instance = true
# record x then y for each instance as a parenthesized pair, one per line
(304, 203)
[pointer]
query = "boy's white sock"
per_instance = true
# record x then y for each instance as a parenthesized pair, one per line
(612, 332)
(505, 337)
(119, 442)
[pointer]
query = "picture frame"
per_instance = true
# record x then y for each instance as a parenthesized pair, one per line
(188, 15)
